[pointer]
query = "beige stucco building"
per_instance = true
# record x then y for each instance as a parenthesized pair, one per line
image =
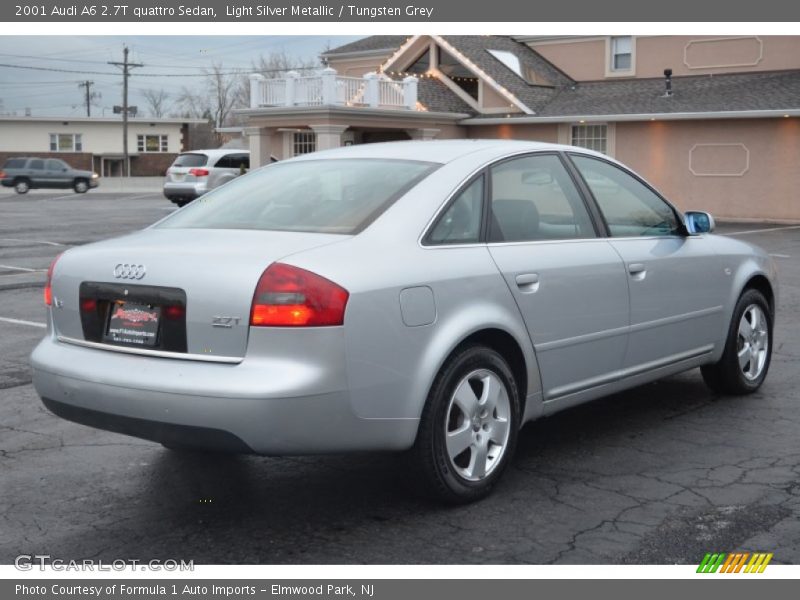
(712, 121)
(95, 143)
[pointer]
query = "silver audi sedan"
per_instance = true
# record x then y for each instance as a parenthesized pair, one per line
(422, 296)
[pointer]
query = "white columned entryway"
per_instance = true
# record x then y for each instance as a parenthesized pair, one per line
(328, 136)
(423, 134)
(263, 143)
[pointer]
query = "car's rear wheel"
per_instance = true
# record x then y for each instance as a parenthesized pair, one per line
(748, 348)
(22, 186)
(469, 426)
(81, 186)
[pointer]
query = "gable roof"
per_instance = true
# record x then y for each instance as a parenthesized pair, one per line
(435, 96)
(753, 91)
(476, 49)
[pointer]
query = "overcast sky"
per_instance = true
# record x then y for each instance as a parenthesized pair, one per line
(56, 93)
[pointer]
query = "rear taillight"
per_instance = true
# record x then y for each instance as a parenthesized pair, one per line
(2, 174)
(199, 172)
(48, 289)
(288, 296)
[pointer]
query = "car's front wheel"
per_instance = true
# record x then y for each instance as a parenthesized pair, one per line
(22, 186)
(81, 186)
(469, 426)
(748, 348)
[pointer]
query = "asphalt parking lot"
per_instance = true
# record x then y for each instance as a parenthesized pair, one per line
(659, 474)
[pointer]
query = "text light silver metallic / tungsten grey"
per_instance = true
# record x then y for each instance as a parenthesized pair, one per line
(421, 296)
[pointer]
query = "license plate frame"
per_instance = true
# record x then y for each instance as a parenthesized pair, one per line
(133, 324)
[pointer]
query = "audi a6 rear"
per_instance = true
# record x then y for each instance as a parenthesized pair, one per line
(422, 296)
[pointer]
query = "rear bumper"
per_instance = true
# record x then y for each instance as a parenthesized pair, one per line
(258, 406)
(188, 191)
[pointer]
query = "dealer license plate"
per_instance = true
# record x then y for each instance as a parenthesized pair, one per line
(133, 324)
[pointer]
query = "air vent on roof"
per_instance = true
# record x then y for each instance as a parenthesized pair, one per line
(667, 83)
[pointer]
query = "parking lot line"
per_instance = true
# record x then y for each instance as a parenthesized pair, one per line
(150, 195)
(46, 243)
(22, 322)
(25, 269)
(58, 197)
(767, 230)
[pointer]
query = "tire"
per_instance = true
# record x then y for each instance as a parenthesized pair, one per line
(749, 335)
(81, 186)
(22, 186)
(461, 408)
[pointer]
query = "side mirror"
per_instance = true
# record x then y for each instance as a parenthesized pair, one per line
(697, 222)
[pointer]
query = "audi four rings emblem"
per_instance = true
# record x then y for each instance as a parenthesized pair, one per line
(126, 271)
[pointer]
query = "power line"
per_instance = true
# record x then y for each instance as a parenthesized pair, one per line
(234, 72)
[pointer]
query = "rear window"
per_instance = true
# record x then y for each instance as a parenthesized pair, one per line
(234, 161)
(321, 196)
(190, 160)
(14, 163)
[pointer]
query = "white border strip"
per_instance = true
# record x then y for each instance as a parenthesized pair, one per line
(23, 322)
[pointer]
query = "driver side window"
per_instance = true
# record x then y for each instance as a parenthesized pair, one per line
(630, 208)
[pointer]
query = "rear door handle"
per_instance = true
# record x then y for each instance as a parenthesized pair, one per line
(528, 282)
(637, 270)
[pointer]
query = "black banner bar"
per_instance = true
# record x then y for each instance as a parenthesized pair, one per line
(243, 11)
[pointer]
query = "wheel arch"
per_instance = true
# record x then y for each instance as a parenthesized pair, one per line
(519, 353)
(761, 283)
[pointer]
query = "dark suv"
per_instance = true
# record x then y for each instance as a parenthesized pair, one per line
(24, 174)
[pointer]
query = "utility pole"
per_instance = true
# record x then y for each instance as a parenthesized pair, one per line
(89, 95)
(125, 109)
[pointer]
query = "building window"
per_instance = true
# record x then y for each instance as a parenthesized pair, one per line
(66, 142)
(152, 143)
(621, 53)
(591, 137)
(304, 142)
(457, 73)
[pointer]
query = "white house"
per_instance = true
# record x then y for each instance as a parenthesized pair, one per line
(95, 143)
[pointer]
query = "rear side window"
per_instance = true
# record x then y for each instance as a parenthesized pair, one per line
(321, 196)
(191, 160)
(461, 222)
(234, 161)
(15, 163)
(534, 198)
(37, 164)
(56, 165)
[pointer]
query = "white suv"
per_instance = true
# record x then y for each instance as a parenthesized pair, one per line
(199, 171)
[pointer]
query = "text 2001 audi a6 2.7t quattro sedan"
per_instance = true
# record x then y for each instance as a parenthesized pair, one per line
(431, 296)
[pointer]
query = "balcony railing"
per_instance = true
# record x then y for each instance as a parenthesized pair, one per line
(329, 88)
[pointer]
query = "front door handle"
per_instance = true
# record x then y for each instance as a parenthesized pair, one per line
(637, 270)
(528, 282)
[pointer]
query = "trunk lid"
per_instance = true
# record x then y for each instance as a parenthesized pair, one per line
(215, 271)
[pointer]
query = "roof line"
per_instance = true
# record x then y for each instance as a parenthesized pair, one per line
(490, 80)
(466, 61)
(677, 116)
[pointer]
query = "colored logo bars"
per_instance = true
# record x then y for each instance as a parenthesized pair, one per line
(735, 562)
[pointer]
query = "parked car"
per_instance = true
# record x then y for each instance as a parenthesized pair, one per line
(25, 173)
(199, 171)
(422, 296)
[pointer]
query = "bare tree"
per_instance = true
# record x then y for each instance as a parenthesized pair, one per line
(157, 102)
(214, 100)
(272, 66)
